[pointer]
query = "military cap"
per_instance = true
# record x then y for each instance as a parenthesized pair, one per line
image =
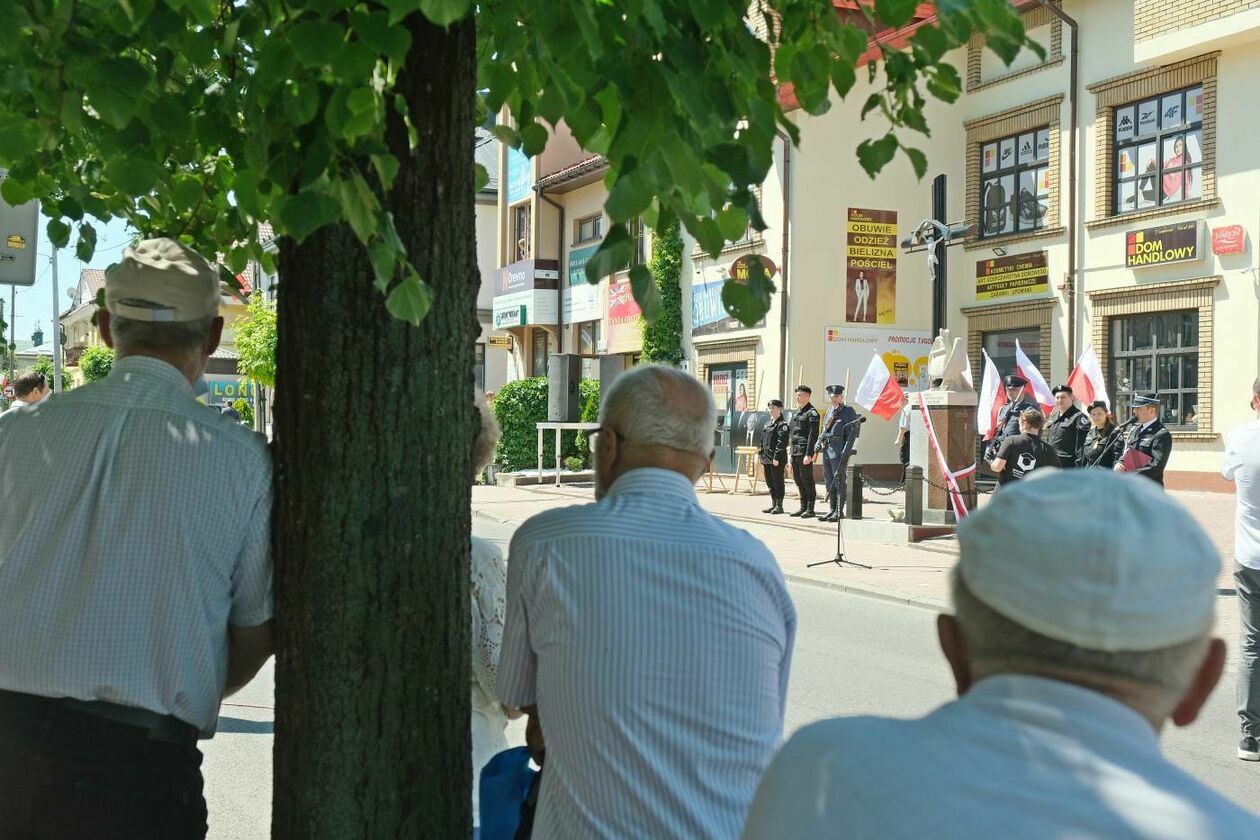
(804, 389)
(833, 390)
(1142, 401)
(1013, 380)
(1061, 389)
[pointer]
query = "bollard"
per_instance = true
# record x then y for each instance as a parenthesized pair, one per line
(855, 491)
(914, 496)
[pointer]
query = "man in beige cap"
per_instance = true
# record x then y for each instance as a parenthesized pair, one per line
(135, 575)
(1069, 658)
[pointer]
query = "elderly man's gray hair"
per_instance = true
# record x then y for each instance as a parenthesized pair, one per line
(660, 406)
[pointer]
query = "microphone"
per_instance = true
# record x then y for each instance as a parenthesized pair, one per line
(1127, 423)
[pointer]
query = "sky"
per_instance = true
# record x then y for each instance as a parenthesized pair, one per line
(35, 303)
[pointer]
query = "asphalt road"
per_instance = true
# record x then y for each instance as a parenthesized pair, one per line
(854, 655)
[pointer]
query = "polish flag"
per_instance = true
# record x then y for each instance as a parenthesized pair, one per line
(992, 398)
(1086, 380)
(1036, 382)
(878, 392)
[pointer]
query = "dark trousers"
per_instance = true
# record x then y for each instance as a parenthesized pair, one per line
(774, 480)
(803, 475)
(835, 475)
(67, 774)
(1247, 583)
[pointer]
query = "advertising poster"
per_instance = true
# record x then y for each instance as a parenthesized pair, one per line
(871, 266)
(1162, 245)
(848, 349)
(1013, 276)
(624, 333)
(708, 315)
(520, 179)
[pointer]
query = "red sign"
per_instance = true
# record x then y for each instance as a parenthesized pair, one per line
(1228, 240)
(621, 303)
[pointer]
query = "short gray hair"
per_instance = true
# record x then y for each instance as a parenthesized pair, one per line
(655, 405)
(175, 338)
(487, 434)
(997, 644)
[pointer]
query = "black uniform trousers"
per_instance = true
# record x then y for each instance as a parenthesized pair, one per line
(774, 480)
(803, 475)
(835, 475)
(64, 773)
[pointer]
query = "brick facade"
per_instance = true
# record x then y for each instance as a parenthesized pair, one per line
(1153, 18)
(1033, 19)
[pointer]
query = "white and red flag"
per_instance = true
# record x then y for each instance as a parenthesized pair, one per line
(992, 398)
(1086, 380)
(878, 392)
(1036, 382)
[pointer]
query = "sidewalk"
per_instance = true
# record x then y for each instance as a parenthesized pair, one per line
(915, 574)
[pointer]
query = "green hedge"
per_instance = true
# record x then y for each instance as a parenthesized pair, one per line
(519, 406)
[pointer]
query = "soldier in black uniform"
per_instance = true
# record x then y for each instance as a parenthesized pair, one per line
(1102, 442)
(835, 445)
(1150, 437)
(774, 454)
(1008, 416)
(804, 435)
(1066, 427)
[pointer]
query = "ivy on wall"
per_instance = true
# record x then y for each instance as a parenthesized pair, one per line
(663, 338)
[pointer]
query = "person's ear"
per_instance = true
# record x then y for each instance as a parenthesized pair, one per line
(954, 646)
(102, 324)
(216, 335)
(1205, 680)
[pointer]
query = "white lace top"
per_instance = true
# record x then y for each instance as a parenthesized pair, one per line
(489, 595)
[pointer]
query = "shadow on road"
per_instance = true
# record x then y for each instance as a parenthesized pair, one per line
(246, 727)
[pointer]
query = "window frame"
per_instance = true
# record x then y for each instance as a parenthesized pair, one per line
(1117, 359)
(521, 242)
(639, 237)
(479, 366)
(1015, 171)
(597, 222)
(539, 361)
(1162, 135)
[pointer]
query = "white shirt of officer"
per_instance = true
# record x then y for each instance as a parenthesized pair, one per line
(134, 521)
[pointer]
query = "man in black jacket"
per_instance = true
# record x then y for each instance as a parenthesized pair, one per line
(835, 445)
(1150, 438)
(1008, 416)
(804, 435)
(774, 454)
(1066, 427)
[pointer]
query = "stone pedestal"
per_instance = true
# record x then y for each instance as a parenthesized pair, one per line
(953, 414)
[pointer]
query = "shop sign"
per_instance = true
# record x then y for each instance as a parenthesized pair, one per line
(1231, 239)
(580, 303)
(228, 390)
(708, 313)
(1162, 245)
(520, 178)
(500, 342)
(1013, 276)
(512, 316)
(741, 269)
(870, 266)
(847, 352)
(525, 275)
(18, 230)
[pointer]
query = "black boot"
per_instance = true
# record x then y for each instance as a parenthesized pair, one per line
(778, 507)
(809, 513)
(772, 505)
(830, 517)
(800, 512)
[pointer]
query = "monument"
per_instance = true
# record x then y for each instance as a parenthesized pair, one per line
(948, 441)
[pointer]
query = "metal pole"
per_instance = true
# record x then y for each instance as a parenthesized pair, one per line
(942, 262)
(56, 328)
(12, 328)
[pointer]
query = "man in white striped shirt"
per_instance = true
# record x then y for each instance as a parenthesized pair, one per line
(652, 639)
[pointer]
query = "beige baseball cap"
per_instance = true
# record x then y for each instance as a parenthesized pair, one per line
(162, 280)
(1103, 561)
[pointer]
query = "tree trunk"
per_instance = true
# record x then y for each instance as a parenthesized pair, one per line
(374, 431)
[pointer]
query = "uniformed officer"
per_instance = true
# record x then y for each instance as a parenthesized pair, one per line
(774, 454)
(835, 444)
(1150, 438)
(1066, 427)
(1008, 416)
(1102, 441)
(804, 434)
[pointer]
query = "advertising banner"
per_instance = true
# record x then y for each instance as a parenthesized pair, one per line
(580, 300)
(519, 309)
(624, 334)
(848, 348)
(1231, 239)
(1162, 245)
(1013, 276)
(870, 266)
(520, 179)
(525, 275)
(708, 315)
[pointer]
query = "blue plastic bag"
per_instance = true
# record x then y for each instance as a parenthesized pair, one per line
(504, 788)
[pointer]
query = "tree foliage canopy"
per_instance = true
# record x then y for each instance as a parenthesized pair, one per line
(96, 363)
(256, 341)
(201, 118)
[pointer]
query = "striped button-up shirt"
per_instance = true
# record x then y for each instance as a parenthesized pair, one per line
(655, 640)
(133, 531)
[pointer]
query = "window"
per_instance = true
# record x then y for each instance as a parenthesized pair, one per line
(521, 239)
(588, 338)
(539, 360)
(592, 227)
(638, 234)
(479, 368)
(1000, 345)
(1015, 183)
(1159, 150)
(1158, 356)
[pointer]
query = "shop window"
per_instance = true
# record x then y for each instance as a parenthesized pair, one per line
(1157, 355)
(638, 235)
(591, 227)
(588, 338)
(1159, 151)
(538, 359)
(521, 238)
(1000, 345)
(1015, 183)
(479, 368)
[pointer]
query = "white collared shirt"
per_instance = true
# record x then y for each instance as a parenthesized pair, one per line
(1241, 464)
(1017, 756)
(134, 528)
(16, 405)
(656, 641)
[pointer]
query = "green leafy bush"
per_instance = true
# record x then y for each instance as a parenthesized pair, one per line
(246, 411)
(519, 406)
(96, 363)
(574, 463)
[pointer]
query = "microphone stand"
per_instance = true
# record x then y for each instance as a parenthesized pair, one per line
(1111, 440)
(840, 560)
